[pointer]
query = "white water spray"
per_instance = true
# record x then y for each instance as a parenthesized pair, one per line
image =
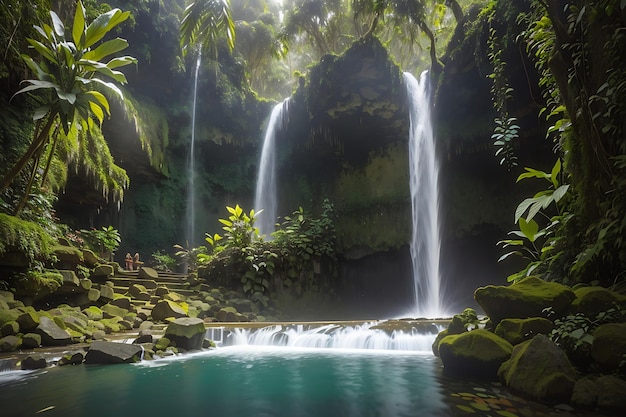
(191, 193)
(265, 197)
(423, 170)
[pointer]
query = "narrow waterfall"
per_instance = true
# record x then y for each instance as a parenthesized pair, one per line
(191, 191)
(265, 197)
(423, 171)
(329, 336)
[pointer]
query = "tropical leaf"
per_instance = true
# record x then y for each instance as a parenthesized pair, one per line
(78, 29)
(105, 49)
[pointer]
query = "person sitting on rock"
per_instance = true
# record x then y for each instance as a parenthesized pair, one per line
(129, 262)
(136, 262)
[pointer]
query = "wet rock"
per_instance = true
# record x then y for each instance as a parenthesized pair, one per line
(72, 358)
(477, 353)
(162, 343)
(187, 333)
(166, 308)
(93, 313)
(112, 353)
(31, 341)
(145, 336)
(32, 362)
(51, 334)
(609, 346)
(526, 298)
(519, 330)
(539, 369)
(228, 314)
(10, 343)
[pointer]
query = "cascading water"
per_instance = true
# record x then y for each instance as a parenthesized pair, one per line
(265, 196)
(332, 336)
(191, 193)
(423, 170)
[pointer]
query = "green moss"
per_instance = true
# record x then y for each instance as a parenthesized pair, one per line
(24, 237)
(518, 330)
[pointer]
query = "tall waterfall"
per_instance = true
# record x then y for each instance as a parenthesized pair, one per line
(191, 192)
(265, 196)
(423, 170)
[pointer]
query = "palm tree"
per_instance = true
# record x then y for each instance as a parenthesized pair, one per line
(205, 22)
(71, 67)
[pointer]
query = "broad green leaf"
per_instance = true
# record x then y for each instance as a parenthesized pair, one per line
(554, 175)
(103, 24)
(34, 67)
(43, 50)
(41, 112)
(533, 173)
(105, 49)
(522, 207)
(529, 228)
(97, 111)
(108, 85)
(506, 255)
(59, 28)
(226, 222)
(78, 29)
(99, 99)
(560, 192)
(121, 61)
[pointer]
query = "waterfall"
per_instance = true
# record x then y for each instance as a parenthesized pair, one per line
(265, 196)
(423, 171)
(191, 193)
(333, 336)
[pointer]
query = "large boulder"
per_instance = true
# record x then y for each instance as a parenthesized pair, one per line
(68, 256)
(102, 272)
(10, 343)
(147, 273)
(111, 353)
(539, 369)
(519, 330)
(28, 321)
(187, 333)
(592, 300)
(611, 396)
(478, 353)
(33, 362)
(51, 334)
(609, 346)
(166, 308)
(90, 258)
(31, 340)
(530, 297)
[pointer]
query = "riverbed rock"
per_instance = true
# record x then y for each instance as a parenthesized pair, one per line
(10, 328)
(112, 353)
(72, 358)
(540, 370)
(530, 297)
(10, 343)
(187, 333)
(31, 341)
(32, 362)
(519, 330)
(228, 314)
(28, 321)
(609, 346)
(611, 396)
(51, 334)
(166, 308)
(478, 353)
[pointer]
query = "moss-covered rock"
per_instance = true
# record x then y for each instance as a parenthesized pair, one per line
(162, 343)
(28, 321)
(437, 341)
(111, 353)
(110, 311)
(51, 334)
(609, 346)
(102, 272)
(68, 256)
(8, 315)
(93, 313)
(519, 330)
(31, 340)
(147, 273)
(10, 343)
(529, 297)
(611, 396)
(33, 362)
(478, 353)
(166, 308)
(228, 314)
(122, 302)
(90, 258)
(10, 328)
(539, 369)
(592, 300)
(187, 333)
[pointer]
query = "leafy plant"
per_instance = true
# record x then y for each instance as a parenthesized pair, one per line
(163, 261)
(531, 242)
(71, 68)
(105, 240)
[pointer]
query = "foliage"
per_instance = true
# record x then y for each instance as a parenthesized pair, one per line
(71, 67)
(162, 261)
(34, 282)
(532, 243)
(26, 238)
(577, 47)
(574, 333)
(205, 23)
(105, 240)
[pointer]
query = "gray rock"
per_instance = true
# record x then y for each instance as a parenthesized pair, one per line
(147, 273)
(33, 362)
(122, 302)
(10, 343)
(611, 391)
(111, 353)
(187, 333)
(51, 334)
(72, 358)
(106, 292)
